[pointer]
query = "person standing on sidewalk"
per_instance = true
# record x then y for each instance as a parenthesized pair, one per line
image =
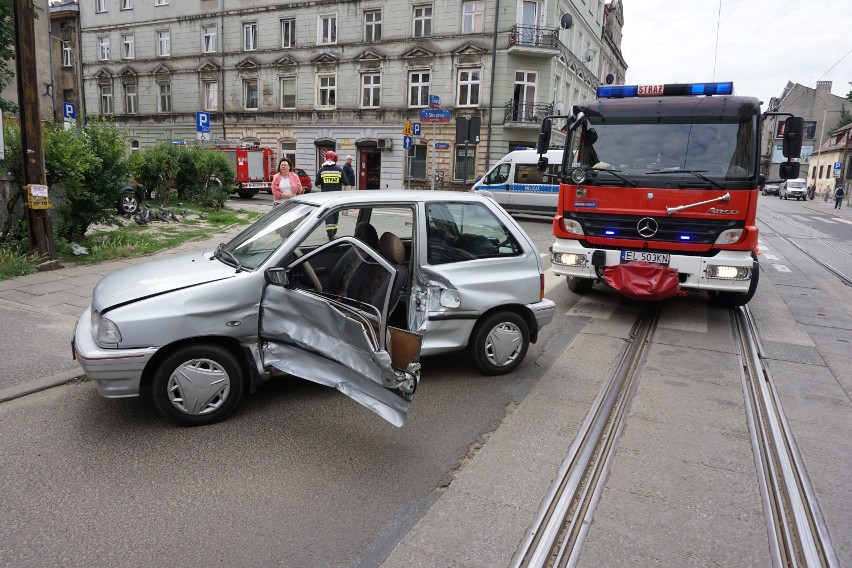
(330, 177)
(349, 171)
(285, 183)
(838, 196)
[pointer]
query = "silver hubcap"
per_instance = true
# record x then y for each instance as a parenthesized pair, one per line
(199, 386)
(503, 344)
(129, 204)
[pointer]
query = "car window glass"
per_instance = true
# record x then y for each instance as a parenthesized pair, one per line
(254, 245)
(458, 232)
(499, 174)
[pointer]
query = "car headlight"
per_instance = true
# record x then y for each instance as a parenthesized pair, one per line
(104, 330)
(729, 237)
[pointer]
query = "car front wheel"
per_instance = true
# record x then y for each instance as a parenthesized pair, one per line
(580, 285)
(499, 343)
(129, 204)
(198, 385)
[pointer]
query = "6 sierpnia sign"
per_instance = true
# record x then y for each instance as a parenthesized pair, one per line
(37, 196)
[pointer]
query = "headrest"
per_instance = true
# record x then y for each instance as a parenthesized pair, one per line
(392, 248)
(367, 233)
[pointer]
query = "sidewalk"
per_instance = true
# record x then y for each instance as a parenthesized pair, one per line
(38, 313)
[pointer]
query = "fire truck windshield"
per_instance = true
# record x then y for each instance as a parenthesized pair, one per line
(670, 149)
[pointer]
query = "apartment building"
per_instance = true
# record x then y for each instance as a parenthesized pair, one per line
(306, 77)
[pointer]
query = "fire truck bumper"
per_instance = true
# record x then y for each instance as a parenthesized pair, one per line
(727, 271)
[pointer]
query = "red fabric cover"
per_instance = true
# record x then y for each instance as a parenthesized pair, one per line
(643, 280)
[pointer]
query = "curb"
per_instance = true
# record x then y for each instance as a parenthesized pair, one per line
(37, 385)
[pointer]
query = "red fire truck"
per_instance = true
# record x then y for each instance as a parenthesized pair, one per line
(658, 193)
(254, 167)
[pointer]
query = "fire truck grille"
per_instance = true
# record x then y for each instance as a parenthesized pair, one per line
(655, 229)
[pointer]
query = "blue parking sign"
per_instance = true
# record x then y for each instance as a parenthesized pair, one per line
(69, 111)
(202, 121)
(415, 128)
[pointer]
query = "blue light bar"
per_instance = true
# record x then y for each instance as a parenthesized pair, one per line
(685, 237)
(666, 90)
(609, 232)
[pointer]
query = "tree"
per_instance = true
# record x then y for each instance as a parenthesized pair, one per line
(845, 117)
(7, 53)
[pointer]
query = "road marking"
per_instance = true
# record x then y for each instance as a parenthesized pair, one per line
(824, 220)
(781, 268)
(770, 257)
(599, 306)
(839, 220)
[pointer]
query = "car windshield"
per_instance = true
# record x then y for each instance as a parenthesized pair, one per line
(723, 149)
(253, 246)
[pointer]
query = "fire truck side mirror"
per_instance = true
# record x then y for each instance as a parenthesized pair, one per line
(789, 170)
(543, 144)
(794, 127)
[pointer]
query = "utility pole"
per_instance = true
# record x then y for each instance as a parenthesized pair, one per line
(32, 150)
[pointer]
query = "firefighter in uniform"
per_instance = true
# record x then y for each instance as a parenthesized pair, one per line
(330, 177)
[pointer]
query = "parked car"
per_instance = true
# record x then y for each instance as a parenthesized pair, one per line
(129, 198)
(404, 273)
(797, 188)
(304, 179)
(771, 189)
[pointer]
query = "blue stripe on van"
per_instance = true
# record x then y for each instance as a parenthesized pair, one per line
(520, 188)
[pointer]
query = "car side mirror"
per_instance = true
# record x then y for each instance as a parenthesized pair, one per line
(276, 276)
(542, 164)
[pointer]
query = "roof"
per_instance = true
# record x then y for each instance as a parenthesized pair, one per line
(386, 196)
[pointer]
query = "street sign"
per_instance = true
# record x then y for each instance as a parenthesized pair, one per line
(442, 145)
(434, 101)
(203, 135)
(69, 111)
(406, 142)
(406, 130)
(202, 121)
(838, 166)
(435, 115)
(415, 129)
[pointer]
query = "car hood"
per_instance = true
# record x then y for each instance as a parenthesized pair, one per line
(158, 277)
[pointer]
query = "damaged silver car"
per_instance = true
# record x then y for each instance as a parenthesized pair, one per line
(345, 289)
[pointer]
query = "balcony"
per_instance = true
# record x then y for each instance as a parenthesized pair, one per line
(534, 40)
(525, 114)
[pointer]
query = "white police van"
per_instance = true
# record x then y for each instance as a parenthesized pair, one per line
(517, 185)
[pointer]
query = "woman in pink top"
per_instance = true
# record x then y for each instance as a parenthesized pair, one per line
(285, 184)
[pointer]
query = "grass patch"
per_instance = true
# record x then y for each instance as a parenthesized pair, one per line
(130, 240)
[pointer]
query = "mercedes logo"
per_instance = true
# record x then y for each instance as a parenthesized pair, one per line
(647, 227)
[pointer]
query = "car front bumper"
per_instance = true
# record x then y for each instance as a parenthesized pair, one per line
(796, 194)
(691, 269)
(116, 373)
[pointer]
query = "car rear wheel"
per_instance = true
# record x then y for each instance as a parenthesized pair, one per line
(499, 343)
(129, 204)
(198, 385)
(580, 285)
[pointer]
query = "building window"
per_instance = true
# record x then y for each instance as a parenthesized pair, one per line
(103, 48)
(100, 6)
(66, 54)
(472, 16)
(373, 26)
(250, 94)
(327, 29)
(250, 37)
(161, 2)
(371, 90)
(134, 146)
(468, 93)
(463, 166)
(211, 95)
(288, 33)
(422, 21)
(164, 44)
(127, 47)
(164, 101)
(131, 103)
(417, 161)
(288, 92)
(326, 91)
(106, 99)
(418, 89)
(126, 4)
(208, 39)
(288, 150)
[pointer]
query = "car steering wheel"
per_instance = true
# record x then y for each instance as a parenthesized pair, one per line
(309, 270)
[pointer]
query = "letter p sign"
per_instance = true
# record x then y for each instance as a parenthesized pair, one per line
(202, 121)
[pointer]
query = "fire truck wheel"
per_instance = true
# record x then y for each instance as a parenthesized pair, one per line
(246, 194)
(734, 299)
(580, 285)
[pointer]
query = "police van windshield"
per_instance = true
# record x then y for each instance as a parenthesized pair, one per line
(719, 148)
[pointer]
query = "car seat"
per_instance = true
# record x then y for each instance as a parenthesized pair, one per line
(348, 265)
(373, 287)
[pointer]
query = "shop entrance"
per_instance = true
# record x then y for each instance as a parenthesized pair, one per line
(369, 168)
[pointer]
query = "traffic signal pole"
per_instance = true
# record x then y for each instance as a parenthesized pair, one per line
(29, 111)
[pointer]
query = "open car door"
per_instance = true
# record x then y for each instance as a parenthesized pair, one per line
(313, 327)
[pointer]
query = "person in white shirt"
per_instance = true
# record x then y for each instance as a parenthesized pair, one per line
(285, 184)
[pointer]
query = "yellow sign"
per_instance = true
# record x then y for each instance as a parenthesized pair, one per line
(37, 196)
(407, 130)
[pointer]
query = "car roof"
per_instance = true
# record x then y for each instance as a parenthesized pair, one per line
(388, 195)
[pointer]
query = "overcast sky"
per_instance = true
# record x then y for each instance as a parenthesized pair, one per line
(762, 43)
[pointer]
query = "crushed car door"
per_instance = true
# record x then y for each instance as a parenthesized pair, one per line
(335, 333)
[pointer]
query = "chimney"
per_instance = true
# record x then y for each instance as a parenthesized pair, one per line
(823, 87)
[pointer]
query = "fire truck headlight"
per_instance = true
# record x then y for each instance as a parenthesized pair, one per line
(573, 227)
(730, 237)
(578, 176)
(721, 272)
(568, 259)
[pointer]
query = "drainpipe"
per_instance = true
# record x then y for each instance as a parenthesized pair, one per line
(491, 88)
(222, 74)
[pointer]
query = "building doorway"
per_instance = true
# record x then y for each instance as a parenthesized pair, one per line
(369, 168)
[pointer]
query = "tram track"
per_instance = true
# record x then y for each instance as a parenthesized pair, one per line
(798, 534)
(562, 522)
(844, 278)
